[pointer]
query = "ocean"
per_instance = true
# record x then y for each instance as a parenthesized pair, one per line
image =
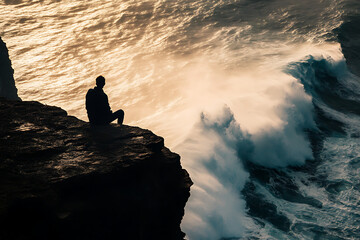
(261, 98)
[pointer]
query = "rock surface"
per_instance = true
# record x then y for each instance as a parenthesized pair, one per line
(62, 179)
(349, 35)
(7, 83)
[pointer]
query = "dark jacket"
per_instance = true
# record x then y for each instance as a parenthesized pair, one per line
(97, 106)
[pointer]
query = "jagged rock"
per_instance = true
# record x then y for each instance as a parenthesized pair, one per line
(7, 83)
(62, 179)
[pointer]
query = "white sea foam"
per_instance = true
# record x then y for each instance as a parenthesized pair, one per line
(214, 154)
(215, 208)
(287, 144)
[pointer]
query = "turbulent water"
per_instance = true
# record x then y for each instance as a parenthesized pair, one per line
(259, 97)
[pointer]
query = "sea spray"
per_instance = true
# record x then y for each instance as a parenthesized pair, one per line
(288, 144)
(216, 152)
(216, 209)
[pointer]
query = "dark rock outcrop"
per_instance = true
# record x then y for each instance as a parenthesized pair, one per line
(7, 83)
(62, 179)
(349, 37)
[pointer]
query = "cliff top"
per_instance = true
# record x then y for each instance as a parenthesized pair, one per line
(32, 133)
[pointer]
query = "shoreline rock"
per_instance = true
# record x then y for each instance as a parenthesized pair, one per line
(60, 178)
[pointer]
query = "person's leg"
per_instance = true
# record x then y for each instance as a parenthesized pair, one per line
(119, 115)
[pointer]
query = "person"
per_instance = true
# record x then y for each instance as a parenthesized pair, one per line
(97, 106)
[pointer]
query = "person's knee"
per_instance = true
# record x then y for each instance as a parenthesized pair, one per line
(120, 116)
(120, 113)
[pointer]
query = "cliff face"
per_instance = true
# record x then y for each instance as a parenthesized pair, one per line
(62, 179)
(7, 83)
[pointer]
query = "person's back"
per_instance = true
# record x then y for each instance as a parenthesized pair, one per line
(97, 105)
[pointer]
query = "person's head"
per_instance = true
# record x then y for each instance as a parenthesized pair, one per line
(100, 81)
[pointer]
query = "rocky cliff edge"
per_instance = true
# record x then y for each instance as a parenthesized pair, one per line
(60, 178)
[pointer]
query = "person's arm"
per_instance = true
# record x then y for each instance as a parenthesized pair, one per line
(107, 107)
(89, 100)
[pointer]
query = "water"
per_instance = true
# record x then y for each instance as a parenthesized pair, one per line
(256, 96)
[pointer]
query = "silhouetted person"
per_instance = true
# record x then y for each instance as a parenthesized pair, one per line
(97, 106)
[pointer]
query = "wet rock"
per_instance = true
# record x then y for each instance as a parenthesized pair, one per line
(62, 179)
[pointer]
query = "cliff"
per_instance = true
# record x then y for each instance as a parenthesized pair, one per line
(62, 179)
(7, 82)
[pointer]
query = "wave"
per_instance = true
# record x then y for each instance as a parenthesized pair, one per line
(216, 208)
(243, 181)
(329, 82)
(320, 185)
(334, 92)
(220, 154)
